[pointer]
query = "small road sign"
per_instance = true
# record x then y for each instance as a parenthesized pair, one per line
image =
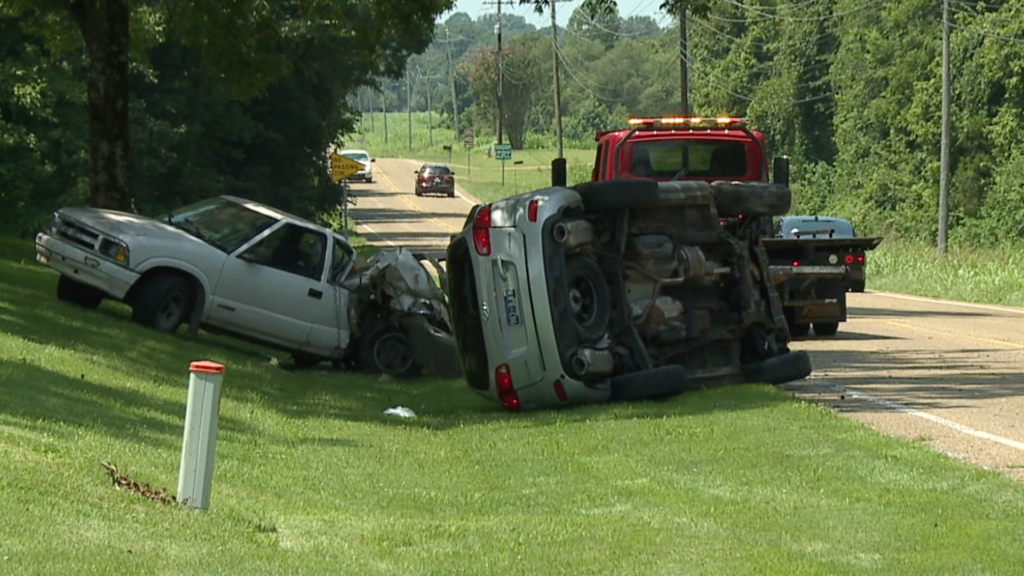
(503, 151)
(342, 167)
(468, 138)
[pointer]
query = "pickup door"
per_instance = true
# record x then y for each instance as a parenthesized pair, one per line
(274, 290)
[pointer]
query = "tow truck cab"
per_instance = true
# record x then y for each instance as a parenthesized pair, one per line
(686, 148)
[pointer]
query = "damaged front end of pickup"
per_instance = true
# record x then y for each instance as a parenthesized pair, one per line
(399, 317)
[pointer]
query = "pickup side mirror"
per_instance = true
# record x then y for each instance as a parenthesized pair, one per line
(373, 159)
(780, 170)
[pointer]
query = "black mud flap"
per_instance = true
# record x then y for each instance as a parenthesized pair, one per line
(660, 382)
(432, 348)
(779, 369)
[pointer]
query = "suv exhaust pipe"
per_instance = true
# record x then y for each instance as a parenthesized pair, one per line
(573, 233)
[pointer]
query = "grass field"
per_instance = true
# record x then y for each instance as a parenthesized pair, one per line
(312, 478)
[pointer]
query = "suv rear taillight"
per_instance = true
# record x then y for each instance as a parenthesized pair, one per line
(506, 391)
(482, 231)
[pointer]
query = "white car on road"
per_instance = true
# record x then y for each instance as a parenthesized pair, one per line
(363, 157)
(235, 266)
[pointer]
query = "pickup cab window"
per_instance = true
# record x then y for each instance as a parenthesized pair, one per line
(688, 158)
(293, 249)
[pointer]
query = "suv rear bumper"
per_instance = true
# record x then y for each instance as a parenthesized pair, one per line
(84, 266)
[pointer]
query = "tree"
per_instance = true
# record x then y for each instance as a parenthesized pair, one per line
(240, 41)
(596, 20)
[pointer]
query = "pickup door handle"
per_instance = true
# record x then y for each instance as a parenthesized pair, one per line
(314, 293)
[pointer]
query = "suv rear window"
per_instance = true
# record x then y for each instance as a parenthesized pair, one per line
(437, 170)
(695, 158)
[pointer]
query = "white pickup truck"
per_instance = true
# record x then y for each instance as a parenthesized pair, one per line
(234, 266)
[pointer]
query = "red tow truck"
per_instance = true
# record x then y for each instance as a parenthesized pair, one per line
(811, 273)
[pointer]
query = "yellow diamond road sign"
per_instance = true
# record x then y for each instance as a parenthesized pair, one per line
(342, 167)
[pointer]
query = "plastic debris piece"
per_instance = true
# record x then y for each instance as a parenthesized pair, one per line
(401, 412)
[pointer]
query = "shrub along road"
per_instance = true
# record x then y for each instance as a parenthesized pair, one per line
(945, 373)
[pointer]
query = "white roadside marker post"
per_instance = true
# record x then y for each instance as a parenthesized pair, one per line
(196, 473)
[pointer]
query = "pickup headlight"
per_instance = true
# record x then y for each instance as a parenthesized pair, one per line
(116, 250)
(54, 224)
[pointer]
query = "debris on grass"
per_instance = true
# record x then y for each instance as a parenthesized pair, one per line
(158, 495)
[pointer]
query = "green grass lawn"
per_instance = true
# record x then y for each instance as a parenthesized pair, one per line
(312, 478)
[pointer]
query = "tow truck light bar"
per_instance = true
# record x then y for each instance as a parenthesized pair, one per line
(694, 122)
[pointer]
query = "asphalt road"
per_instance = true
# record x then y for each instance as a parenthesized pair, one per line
(947, 374)
(388, 212)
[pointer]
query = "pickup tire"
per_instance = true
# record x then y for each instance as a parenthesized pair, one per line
(387, 350)
(610, 195)
(751, 198)
(826, 328)
(652, 384)
(77, 293)
(779, 369)
(163, 302)
(589, 298)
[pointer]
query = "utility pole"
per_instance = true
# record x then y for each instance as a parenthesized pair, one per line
(684, 88)
(944, 145)
(430, 111)
(558, 90)
(501, 74)
(408, 102)
(369, 105)
(451, 79)
(384, 107)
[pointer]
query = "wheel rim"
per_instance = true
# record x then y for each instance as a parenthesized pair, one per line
(171, 312)
(393, 354)
(583, 301)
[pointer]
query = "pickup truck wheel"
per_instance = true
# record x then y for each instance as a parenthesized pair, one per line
(779, 369)
(751, 198)
(387, 350)
(608, 195)
(826, 328)
(660, 382)
(163, 303)
(77, 293)
(589, 298)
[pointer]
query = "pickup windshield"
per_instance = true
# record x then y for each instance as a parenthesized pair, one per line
(223, 224)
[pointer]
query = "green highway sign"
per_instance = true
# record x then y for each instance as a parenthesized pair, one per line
(503, 151)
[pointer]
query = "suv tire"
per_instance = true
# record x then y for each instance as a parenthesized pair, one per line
(652, 384)
(751, 198)
(779, 369)
(609, 195)
(163, 302)
(77, 293)
(589, 298)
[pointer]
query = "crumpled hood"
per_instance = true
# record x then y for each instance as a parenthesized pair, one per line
(123, 224)
(401, 276)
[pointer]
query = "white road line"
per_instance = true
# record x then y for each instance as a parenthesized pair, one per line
(951, 302)
(375, 233)
(930, 417)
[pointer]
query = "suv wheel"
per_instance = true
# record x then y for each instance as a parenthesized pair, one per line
(779, 369)
(387, 350)
(589, 298)
(163, 302)
(751, 198)
(77, 293)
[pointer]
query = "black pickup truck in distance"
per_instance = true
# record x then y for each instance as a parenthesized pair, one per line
(814, 262)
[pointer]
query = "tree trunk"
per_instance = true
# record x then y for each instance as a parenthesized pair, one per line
(105, 28)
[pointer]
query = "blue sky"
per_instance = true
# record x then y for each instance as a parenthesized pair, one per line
(563, 10)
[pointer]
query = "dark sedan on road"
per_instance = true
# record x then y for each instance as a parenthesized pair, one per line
(435, 179)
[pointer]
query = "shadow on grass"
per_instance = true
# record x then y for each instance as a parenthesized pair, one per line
(64, 341)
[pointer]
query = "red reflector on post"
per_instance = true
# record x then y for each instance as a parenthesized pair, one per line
(531, 210)
(206, 367)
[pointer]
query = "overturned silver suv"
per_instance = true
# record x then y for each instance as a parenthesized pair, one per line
(234, 266)
(619, 290)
